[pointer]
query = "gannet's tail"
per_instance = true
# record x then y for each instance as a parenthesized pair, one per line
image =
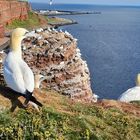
(29, 97)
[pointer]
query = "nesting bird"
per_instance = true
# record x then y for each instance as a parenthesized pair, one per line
(95, 98)
(67, 33)
(132, 94)
(49, 29)
(17, 73)
(38, 79)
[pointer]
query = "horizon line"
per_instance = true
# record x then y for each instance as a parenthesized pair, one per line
(89, 4)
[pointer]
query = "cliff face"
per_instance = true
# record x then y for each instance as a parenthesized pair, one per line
(1, 31)
(55, 55)
(11, 10)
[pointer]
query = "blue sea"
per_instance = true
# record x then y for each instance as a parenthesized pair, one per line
(109, 42)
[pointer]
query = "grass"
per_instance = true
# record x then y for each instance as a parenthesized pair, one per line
(63, 119)
(56, 20)
(32, 21)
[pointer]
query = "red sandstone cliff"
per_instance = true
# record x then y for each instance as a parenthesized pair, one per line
(11, 10)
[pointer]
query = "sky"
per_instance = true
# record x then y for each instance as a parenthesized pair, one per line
(102, 2)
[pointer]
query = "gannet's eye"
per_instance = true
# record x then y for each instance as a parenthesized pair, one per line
(26, 32)
(41, 78)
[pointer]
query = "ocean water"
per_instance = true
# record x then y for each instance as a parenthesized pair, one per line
(109, 42)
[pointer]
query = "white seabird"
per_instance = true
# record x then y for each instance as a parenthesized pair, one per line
(38, 79)
(39, 30)
(95, 98)
(49, 29)
(17, 73)
(67, 33)
(75, 39)
(60, 31)
(132, 94)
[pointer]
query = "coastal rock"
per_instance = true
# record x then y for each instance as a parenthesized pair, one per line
(55, 55)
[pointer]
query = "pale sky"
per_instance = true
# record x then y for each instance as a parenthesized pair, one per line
(103, 2)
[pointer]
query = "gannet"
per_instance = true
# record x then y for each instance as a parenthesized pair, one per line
(39, 30)
(95, 98)
(49, 29)
(38, 79)
(67, 33)
(17, 74)
(75, 39)
(132, 94)
(60, 31)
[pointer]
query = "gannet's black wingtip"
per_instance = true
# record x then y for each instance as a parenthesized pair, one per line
(33, 99)
(29, 97)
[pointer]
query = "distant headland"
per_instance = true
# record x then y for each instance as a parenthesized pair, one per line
(60, 12)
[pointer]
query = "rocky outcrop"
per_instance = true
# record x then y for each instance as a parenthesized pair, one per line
(55, 55)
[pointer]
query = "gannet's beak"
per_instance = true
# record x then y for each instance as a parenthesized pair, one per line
(26, 34)
(42, 78)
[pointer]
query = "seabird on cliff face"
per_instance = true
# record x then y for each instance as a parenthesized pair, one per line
(49, 29)
(17, 73)
(67, 33)
(132, 94)
(38, 79)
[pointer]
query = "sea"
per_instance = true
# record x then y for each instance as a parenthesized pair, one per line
(109, 42)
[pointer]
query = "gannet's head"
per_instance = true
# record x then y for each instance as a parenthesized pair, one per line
(138, 79)
(19, 33)
(17, 36)
(38, 79)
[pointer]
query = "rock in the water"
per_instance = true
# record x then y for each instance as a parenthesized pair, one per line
(55, 55)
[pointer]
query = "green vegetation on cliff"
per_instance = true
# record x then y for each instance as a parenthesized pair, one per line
(61, 118)
(32, 21)
(35, 20)
(58, 21)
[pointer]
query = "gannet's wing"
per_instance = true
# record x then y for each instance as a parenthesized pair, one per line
(28, 76)
(13, 75)
(132, 94)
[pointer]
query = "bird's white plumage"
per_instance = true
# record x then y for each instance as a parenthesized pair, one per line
(132, 94)
(38, 80)
(17, 73)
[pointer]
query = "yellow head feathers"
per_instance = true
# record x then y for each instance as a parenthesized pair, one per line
(19, 33)
(138, 80)
(17, 36)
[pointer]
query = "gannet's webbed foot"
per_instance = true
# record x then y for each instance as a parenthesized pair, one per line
(29, 97)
